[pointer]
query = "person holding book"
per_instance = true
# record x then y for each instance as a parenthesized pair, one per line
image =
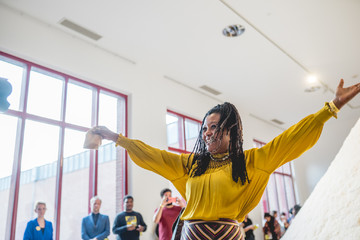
(128, 224)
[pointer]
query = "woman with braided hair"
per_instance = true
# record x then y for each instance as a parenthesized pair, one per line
(219, 180)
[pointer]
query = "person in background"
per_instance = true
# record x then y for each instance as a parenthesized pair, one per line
(167, 213)
(221, 182)
(272, 227)
(275, 214)
(284, 224)
(128, 224)
(39, 228)
(95, 226)
(248, 228)
(291, 216)
(293, 211)
(296, 209)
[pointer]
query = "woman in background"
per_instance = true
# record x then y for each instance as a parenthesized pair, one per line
(39, 228)
(249, 227)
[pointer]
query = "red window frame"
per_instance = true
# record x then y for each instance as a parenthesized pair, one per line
(23, 115)
(181, 131)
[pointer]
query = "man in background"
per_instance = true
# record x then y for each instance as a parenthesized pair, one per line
(128, 224)
(96, 226)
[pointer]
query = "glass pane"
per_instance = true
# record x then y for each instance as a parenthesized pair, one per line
(111, 110)
(111, 180)
(287, 168)
(111, 177)
(14, 72)
(45, 94)
(283, 206)
(38, 172)
(78, 105)
(279, 170)
(192, 129)
(75, 184)
(290, 193)
(8, 127)
(272, 194)
(174, 131)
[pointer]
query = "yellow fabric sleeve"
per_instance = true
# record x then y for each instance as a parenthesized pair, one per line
(171, 166)
(293, 142)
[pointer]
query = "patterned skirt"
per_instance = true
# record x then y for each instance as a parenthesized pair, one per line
(223, 229)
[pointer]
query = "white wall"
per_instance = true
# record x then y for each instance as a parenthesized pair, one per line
(150, 94)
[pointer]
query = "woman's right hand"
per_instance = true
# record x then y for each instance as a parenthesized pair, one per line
(105, 133)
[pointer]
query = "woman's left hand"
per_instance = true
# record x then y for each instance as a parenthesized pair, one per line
(344, 95)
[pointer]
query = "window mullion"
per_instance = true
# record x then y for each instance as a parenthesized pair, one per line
(59, 174)
(15, 181)
(184, 133)
(94, 154)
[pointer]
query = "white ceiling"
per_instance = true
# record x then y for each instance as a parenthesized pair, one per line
(262, 71)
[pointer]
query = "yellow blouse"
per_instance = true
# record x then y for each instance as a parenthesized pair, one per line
(214, 194)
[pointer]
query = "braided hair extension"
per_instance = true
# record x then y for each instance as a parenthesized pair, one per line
(229, 121)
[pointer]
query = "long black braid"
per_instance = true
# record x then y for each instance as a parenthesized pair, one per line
(229, 121)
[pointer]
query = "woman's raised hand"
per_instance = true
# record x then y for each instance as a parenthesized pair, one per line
(344, 95)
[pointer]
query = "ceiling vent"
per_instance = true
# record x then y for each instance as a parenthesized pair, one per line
(312, 89)
(79, 29)
(277, 121)
(210, 90)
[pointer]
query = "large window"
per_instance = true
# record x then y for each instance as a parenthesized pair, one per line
(42, 152)
(279, 194)
(182, 132)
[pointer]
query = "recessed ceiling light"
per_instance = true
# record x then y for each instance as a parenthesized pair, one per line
(312, 79)
(233, 30)
(313, 84)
